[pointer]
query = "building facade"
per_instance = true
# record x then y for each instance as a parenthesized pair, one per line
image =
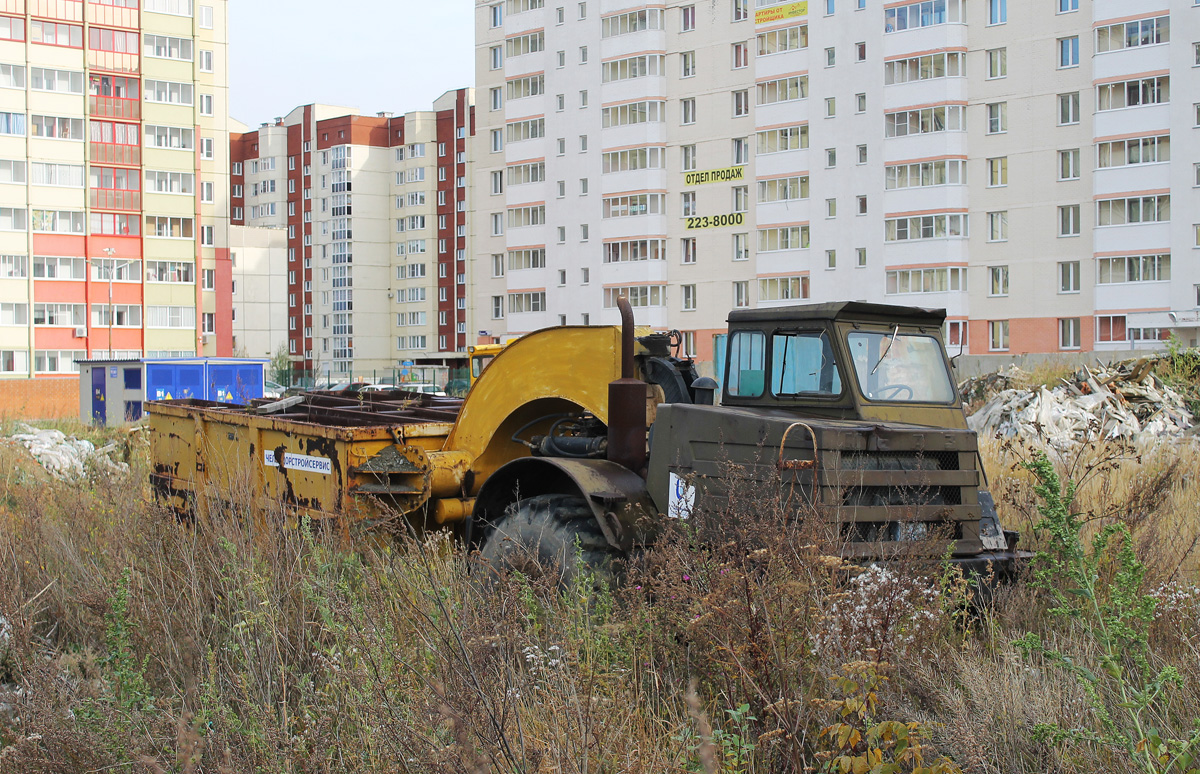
(1008, 160)
(376, 213)
(113, 181)
(258, 290)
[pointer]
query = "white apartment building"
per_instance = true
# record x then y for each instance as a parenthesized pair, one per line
(258, 258)
(113, 182)
(1008, 160)
(375, 210)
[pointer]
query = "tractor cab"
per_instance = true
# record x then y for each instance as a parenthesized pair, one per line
(848, 360)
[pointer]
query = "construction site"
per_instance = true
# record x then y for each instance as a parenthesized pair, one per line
(839, 557)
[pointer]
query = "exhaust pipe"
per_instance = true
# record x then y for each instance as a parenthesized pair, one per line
(627, 403)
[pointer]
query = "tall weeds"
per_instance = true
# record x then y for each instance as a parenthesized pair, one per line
(235, 644)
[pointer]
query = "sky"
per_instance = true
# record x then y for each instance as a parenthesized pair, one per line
(394, 55)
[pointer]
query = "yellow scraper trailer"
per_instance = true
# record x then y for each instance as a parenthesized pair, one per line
(370, 455)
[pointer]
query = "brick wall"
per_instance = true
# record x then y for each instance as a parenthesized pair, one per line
(48, 398)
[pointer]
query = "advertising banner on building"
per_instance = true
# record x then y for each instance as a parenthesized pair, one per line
(726, 175)
(778, 13)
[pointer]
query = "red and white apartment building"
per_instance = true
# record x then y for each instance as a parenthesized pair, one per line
(113, 182)
(377, 219)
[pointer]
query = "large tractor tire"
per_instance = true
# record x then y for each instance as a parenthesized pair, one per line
(552, 535)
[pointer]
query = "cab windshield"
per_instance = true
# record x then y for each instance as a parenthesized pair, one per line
(897, 367)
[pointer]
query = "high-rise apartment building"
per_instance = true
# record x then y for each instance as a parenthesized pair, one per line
(1009, 160)
(113, 181)
(376, 212)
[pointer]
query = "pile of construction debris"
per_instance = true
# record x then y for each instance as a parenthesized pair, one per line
(68, 458)
(1124, 400)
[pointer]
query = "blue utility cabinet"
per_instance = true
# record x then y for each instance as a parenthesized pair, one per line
(112, 391)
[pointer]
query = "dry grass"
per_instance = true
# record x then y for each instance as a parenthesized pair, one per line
(248, 647)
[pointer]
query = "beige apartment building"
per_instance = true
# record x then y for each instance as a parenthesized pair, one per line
(375, 212)
(113, 182)
(1008, 160)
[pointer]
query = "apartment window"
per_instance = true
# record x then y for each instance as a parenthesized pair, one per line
(687, 110)
(860, 52)
(583, 139)
(583, 98)
(998, 226)
(942, 118)
(687, 64)
(583, 55)
(207, 192)
(688, 298)
(1068, 108)
(997, 113)
(1142, 91)
(497, 15)
(1065, 6)
(741, 198)
(497, 98)
(998, 281)
(1068, 333)
(562, 59)
(741, 103)
(205, 20)
(830, 6)
(830, 107)
(860, 103)
(583, 10)
(1068, 52)
(997, 11)
(1068, 276)
(998, 335)
(206, 61)
(741, 10)
(831, 259)
(997, 63)
(831, 157)
(741, 151)
(861, 255)
(687, 18)
(998, 171)
(830, 57)
(560, 102)
(741, 247)
(862, 204)
(687, 250)
(1068, 164)
(1141, 32)
(1135, 209)
(206, 104)
(583, 232)
(496, 56)
(741, 295)
(862, 154)
(741, 54)
(831, 208)
(562, 146)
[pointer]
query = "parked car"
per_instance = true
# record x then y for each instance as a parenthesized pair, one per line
(457, 387)
(272, 389)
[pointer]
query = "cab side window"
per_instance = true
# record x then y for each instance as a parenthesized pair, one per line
(747, 364)
(803, 363)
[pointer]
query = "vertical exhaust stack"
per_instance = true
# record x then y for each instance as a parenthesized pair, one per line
(627, 403)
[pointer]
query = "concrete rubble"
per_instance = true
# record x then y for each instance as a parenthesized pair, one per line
(67, 458)
(1124, 400)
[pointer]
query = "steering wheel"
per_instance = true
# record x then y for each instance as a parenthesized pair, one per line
(896, 390)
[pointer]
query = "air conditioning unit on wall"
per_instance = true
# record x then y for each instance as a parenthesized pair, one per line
(81, 332)
(205, 338)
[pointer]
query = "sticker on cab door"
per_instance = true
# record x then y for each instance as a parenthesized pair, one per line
(681, 499)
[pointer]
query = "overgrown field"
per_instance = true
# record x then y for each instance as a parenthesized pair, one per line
(131, 643)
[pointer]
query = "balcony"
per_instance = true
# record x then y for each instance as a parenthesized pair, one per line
(12, 6)
(112, 16)
(113, 61)
(66, 10)
(115, 107)
(111, 199)
(109, 153)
